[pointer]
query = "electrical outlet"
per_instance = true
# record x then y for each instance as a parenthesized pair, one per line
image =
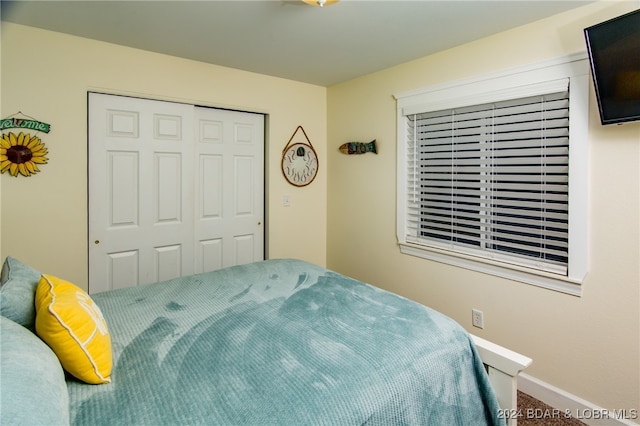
(477, 318)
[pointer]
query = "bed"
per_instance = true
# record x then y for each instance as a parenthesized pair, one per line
(273, 342)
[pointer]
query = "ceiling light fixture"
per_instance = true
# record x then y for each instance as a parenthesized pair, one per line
(320, 3)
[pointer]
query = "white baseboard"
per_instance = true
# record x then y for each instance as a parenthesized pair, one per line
(579, 408)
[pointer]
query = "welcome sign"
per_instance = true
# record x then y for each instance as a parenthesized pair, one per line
(22, 123)
(22, 151)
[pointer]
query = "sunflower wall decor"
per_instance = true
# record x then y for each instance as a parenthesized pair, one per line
(21, 153)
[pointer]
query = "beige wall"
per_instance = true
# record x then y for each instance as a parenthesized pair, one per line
(46, 75)
(588, 345)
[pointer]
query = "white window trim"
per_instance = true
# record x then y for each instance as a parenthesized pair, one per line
(513, 83)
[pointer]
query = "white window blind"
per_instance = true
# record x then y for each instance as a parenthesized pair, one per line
(492, 180)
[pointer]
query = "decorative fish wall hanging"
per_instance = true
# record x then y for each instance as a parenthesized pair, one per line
(358, 147)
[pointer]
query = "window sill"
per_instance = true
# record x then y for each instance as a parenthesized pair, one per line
(524, 275)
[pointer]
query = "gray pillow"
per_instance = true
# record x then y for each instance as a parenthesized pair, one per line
(18, 283)
(33, 390)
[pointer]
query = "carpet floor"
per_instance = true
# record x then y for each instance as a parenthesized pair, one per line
(532, 412)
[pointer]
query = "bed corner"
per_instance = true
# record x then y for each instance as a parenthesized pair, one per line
(503, 366)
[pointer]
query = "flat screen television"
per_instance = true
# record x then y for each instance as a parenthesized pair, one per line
(613, 47)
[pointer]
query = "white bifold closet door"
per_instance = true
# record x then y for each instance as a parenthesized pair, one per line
(174, 189)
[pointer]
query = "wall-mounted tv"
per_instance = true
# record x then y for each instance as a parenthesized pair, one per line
(614, 54)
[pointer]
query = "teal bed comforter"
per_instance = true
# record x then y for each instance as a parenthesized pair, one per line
(282, 342)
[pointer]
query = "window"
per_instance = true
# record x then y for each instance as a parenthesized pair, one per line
(492, 173)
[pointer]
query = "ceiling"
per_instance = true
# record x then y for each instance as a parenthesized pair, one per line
(287, 38)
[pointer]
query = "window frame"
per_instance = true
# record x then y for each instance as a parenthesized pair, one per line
(528, 80)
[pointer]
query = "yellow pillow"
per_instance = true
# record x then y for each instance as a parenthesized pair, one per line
(69, 321)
